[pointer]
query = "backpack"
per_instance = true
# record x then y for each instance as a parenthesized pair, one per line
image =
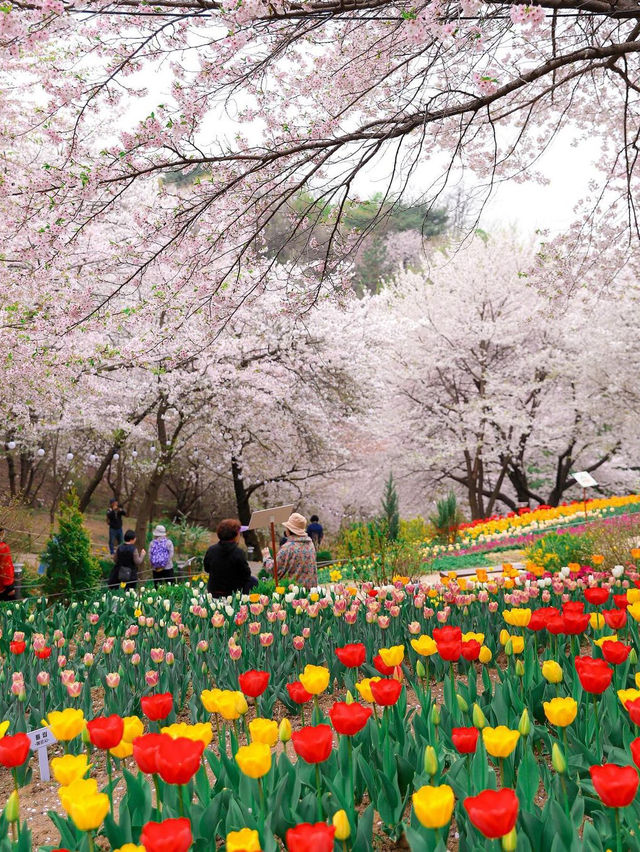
(159, 554)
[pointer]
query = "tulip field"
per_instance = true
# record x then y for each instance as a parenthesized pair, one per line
(504, 715)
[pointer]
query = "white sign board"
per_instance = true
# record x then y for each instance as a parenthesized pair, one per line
(265, 517)
(584, 479)
(41, 738)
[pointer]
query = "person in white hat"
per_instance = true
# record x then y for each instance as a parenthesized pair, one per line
(297, 556)
(161, 556)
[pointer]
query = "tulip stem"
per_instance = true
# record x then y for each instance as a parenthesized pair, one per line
(110, 781)
(157, 789)
(180, 801)
(92, 845)
(14, 772)
(319, 791)
(616, 812)
(262, 805)
(595, 711)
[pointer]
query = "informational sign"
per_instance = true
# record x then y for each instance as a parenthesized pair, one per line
(584, 479)
(41, 739)
(265, 517)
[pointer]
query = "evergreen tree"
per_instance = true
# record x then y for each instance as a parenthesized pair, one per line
(70, 566)
(390, 511)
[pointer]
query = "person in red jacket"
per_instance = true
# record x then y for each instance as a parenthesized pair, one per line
(7, 588)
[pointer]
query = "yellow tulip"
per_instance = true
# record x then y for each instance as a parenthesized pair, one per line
(425, 646)
(284, 731)
(81, 788)
(315, 679)
(241, 703)
(130, 847)
(122, 750)
(69, 768)
(209, 698)
(596, 620)
(433, 806)
(133, 728)
(517, 617)
(392, 656)
(504, 636)
(599, 642)
(475, 637)
(88, 812)
(637, 679)
(4, 727)
(245, 840)
(633, 595)
(561, 711)
(634, 610)
(341, 824)
(201, 731)
(65, 724)
(517, 644)
(552, 671)
(254, 759)
(500, 741)
(364, 688)
(628, 695)
(264, 731)
(227, 705)
(485, 655)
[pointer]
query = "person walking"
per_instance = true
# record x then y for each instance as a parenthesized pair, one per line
(161, 556)
(7, 573)
(114, 519)
(127, 561)
(297, 557)
(315, 531)
(226, 562)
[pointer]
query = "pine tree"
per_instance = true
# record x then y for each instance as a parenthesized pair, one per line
(71, 569)
(390, 511)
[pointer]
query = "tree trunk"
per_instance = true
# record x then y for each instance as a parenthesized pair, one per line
(244, 508)
(145, 511)
(96, 479)
(11, 470)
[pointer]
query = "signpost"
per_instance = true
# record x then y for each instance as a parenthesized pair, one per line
(584, 480)
(267, 519)
(41, 739)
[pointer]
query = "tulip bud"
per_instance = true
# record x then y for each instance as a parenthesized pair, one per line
(525, 724)
(284, 731)
(435, 714)
(12, 808)
(341, 822)
(430, 760)
(558, 760)
(519, 668)
(462, 704)
(633, 657)
(84, 735)
(508, 648)
(510, 841)
(420, 669)
(478, 718)
(349, 699)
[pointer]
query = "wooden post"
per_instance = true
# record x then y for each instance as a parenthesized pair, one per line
(273, 550)
(584, 500)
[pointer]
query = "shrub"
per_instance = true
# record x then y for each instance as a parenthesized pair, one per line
(614, 539)
(70, 567)
(557, 549)
(447, 519)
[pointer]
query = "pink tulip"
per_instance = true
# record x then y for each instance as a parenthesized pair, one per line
(284, 630)
(157, 655)
(113, 680)
(218, 619)
(38, 641)
(254, 628)
(74, 690)
(93, 617)
(88, 660)
(128, 646)
(236, 652)
(306, 632)
(135, 660)
(172, 631)
(383, 622)
(266, 639)
(152, 678)
(202, 645)
(170, 659)
(62, 661)
(414, 628)
(67, 676)
(298, 642)
(43, 678)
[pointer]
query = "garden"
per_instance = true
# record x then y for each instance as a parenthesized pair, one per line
(429, 713)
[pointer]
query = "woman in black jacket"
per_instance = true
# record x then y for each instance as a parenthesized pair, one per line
(226, 562)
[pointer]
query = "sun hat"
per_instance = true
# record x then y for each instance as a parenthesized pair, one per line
(159, 531)
(297, 524)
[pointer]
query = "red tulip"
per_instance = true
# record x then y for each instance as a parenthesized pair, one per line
(382, 667)
(596, 595)
(145, 752)
(157, 707)
(615, 652)
(298, 693)
(573, 606)
(635, 749)
(313, 743)
(253, 683)
(595, 675)
(633, 709)
(178, 760)
(540, 617)
(450, 651)
(14, 750)
(493, 812)
(386, 691)
(352, 656)
(465, 740)
(448, 633)
(621, 601)
(556, 625)
(43, 653)
(311, 838)
(615, 618)
(17, 647)
(616, 785)
(172, 835)
(372, 593)
(348, 719)
(575, 622)
(471, 650)
(106, 731)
